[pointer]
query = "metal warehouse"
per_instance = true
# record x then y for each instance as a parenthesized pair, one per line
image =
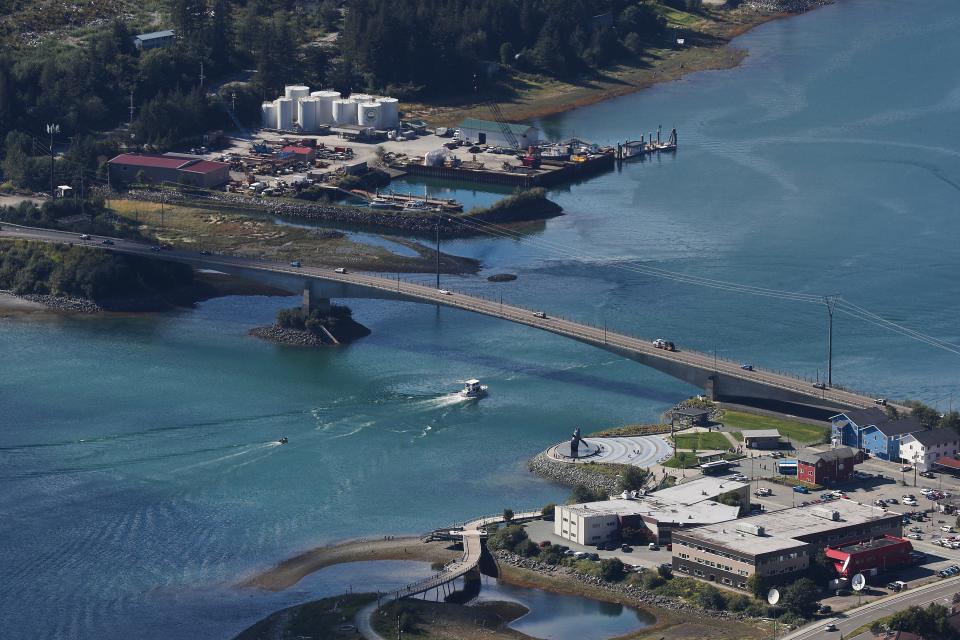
(188, 170)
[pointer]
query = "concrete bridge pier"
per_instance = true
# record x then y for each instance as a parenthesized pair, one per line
(312, 301)
(710, 388)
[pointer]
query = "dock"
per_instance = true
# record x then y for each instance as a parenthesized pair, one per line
(646, 146)
(551, 172)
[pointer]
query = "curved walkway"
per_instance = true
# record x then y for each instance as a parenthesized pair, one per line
(472, 534)
(640, 451)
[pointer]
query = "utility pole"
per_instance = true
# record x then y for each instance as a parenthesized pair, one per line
(831, 302)
(52, 129)
(438, 252)
(130, 122)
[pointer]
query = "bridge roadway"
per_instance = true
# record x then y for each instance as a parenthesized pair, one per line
(721, 379)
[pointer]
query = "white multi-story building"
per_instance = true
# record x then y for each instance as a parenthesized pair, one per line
(690, 504)
(923, 448)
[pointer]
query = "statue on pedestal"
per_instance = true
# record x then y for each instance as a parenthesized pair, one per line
(575, 441)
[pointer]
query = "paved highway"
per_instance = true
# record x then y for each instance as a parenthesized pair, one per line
(941, 592)
(597, 336)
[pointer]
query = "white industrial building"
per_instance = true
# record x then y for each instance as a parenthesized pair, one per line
(687, 505)
(487, 132)
(299, 109)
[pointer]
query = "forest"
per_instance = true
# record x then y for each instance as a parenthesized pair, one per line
(93, 84)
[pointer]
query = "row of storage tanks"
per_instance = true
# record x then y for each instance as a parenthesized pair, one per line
(310, 110)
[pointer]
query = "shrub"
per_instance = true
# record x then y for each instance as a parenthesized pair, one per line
(508, 538)
(507, 515)
(611, 570)
(548, 510)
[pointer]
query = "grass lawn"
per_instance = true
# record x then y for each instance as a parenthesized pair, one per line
(253, 235)
(702, 441)
(799, 432)
(681, 460)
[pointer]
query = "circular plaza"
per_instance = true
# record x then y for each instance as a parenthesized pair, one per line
(639, 451)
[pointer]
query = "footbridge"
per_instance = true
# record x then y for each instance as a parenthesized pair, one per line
(720, 379)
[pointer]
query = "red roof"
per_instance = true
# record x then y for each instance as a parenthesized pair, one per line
(206, 166)
(948, 462)
(303, 151)
(144, 160)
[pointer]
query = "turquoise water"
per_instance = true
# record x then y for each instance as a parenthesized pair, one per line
(138, 476)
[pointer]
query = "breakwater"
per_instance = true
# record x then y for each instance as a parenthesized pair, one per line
(572, 474)
(357, 217)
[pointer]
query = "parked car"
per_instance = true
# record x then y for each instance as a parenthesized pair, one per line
(897, 585)
(653, 546)
(155, 249)
(800, 489)
(946, 528)
(626, 548)
(906, 467)
(915, 536)
(763, 491)
(927, 474)
(825, 608)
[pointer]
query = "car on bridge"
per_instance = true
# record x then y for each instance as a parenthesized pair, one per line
(106, 241)
(84, 236)
(295, 263)
(540, 314)
(444, 292)
(339, 270)
(819, 385)
(746, 367)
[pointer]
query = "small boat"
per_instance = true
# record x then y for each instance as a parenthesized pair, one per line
(381, 203)
(283, 440)
(415, 205)
(473, 389)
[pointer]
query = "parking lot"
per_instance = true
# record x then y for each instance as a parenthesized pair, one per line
(641, 556)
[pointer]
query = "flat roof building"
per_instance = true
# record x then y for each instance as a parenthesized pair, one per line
(870, 556)
(660, 513)
(157, 169)
(776, 543)
(761, 439)
(153, 40)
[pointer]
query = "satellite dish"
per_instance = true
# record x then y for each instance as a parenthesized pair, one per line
(859, 582)
(773, 596)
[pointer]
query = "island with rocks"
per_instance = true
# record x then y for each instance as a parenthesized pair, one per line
(319, 328)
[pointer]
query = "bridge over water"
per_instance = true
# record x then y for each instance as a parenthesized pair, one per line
(720, 379)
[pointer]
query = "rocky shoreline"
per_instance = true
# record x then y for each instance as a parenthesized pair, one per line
(786, 6)
(294, 337)
(61, 303)
(640, 595)
(571, 474)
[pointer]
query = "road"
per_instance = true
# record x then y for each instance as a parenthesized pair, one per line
(941, 592)
(597, 336)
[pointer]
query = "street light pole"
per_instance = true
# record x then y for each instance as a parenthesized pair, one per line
(52, 129)
(831, 302)
(438, 252)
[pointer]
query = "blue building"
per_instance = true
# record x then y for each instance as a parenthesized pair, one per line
(873, 431)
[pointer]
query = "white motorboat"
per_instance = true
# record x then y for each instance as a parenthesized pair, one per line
(473, 389)
(382, 203)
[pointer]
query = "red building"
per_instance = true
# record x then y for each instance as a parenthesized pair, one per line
(870, 556)
(300, 152)
(827, 467)
(174, 168)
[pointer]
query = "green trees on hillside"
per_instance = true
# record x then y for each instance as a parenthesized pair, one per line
(432, 46)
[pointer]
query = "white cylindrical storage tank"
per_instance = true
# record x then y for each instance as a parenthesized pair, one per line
(284, 109)
(389, 113)
(360, 97)
(344, 112)
(307, 113)
(268, 116)
(296, 91)
(325, 106)
(368, 114)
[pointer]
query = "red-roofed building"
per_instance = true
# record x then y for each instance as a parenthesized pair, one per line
(126, 167)
(302, 153)
(870, 556)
